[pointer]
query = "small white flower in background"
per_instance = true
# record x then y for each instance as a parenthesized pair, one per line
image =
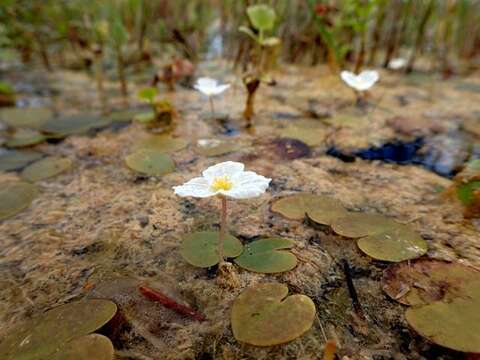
(226, 178)
(361, 82)
(397, 64)
(210, 87)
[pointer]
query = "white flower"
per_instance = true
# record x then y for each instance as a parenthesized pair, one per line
(362, 81)
(397, 64)
(226, 178)
(210, 86)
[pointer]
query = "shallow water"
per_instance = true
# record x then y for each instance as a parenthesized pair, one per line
(102, 221)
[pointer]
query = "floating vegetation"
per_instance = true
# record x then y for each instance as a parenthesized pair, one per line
(32, 118)
(161, 143)
(319, 208)
(201, 248)
(88, 347)
(150, 162)
(15, 197)
(74, 124)
(46, 168)
(355, 225)
(308, 133)
(445, 298)
(263, 315)
(17, 159)
(45, 334)
(23, 137)
(268, 256)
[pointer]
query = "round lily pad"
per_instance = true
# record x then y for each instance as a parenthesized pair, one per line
(25, 137)
(396, 244)
(263, 315)
(355, 225)
(150, 162)
(32, 118)
(45, 334)
(216, 147)
(88, 347)
(15, 197)
(268, 256)
(46, 168)
(15, 160)
(74, 124)
(161, 143)
(454, 324)
(321, 209)
(426, 281)
(201, 248)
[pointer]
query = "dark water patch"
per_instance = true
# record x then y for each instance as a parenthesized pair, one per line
(397, 152)
(283, 115)
(333, 151)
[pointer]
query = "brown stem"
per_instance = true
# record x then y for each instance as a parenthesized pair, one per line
(223, 225)
(99, 79)
(212, 109)
(121, 73)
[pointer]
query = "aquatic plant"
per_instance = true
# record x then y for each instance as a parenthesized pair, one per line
(161, 118)
(467, 187)
(225, 180)
(361, 82)
(46, 168)
(264, 315)
(15, 196)
(211, 88)
(150, 162)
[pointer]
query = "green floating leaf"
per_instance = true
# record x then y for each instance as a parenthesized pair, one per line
(425, 281)
(40, 337)
(88, 347)
(355, 225)
(145, 117)
(265, 256)
(150, 162)
(161, 143)
(15, 160)
(396, 244)
(263, 315)
(32, 118)
(15, 197)
(466, 192)
(319, 208)
(25, 137)
(75, 124)
(46, 168)
(216, 147)
(262, 17)
(148, 94)
(201, 248)
(454, 324)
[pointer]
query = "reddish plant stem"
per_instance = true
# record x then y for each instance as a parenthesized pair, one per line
(157, 296)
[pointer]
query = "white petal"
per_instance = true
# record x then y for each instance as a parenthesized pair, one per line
(247, 185)
(397, 63)
(197, 187)
(209, 91)
(206, 82)
(227, 168)
(220, 89)
(369, 77)
(350, 78)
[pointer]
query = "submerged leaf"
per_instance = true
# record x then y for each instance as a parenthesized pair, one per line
(355, 225)
(15, 197)
(466, 192)
(74, 124)
(201, 248)
(426, 281)
(263, 315)
(321, 209)
(40, 337)
(265, 256)
(150, 162)
(161, 143)
(16, 160)
(395, 244)
(46, 168)
(25, 137)
(88, 347)
(216, 147)
(310, 135)
(145, 117)
(32, 118)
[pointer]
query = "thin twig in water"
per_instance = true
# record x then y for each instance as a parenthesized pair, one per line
(351, 289)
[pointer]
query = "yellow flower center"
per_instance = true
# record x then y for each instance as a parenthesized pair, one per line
(221, 183)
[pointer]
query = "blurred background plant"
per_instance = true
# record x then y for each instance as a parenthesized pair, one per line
(126, 34)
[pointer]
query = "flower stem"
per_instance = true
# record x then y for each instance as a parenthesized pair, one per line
(223, 225)
(211, 105)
